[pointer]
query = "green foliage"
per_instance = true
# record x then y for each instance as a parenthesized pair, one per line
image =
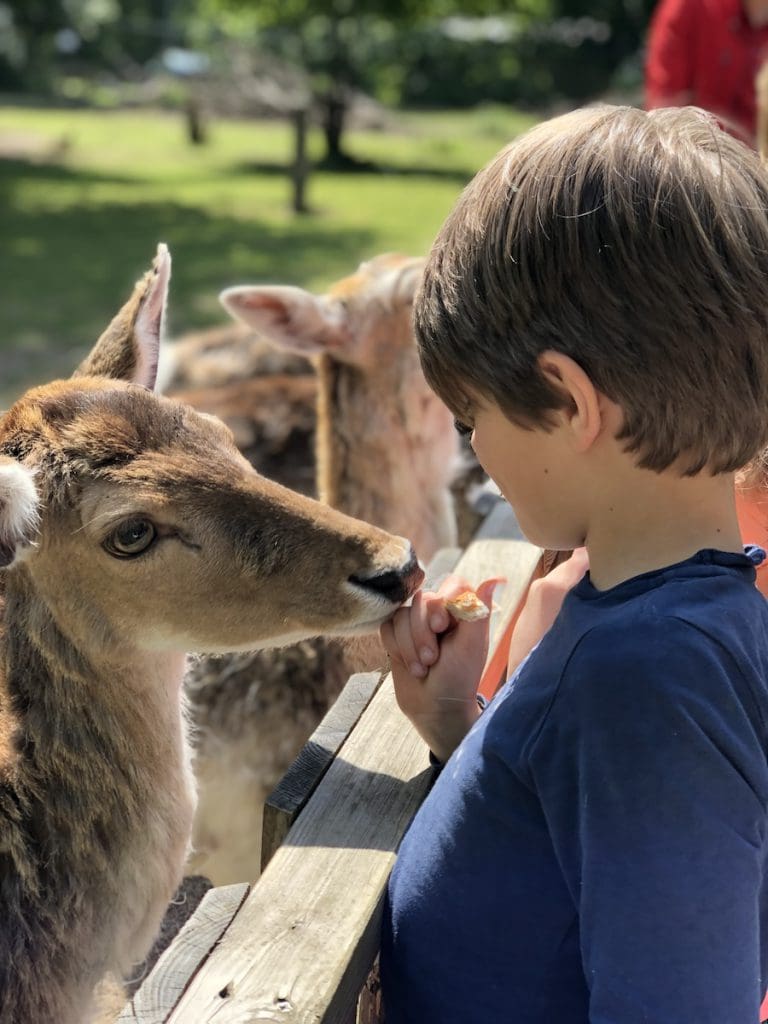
(440, 53)
(296, 13)
(428, 52)
(42, 37)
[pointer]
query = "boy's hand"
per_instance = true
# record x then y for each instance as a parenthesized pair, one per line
(544, 600)
(437, 663)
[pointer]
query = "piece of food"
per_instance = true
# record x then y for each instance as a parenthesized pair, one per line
(468, 607)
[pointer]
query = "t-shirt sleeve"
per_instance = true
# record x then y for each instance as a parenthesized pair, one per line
(669, 56)
(651, 774)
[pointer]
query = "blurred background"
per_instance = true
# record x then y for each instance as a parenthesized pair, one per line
(263, 140)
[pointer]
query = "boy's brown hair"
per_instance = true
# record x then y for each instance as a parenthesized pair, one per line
(637, 244)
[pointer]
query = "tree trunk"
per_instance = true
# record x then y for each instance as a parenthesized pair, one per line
(334, 113)
(300, 167)
(195, 120)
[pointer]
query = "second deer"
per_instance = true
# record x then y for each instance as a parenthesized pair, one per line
(386, 452)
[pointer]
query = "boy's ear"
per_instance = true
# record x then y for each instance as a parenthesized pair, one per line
(18, 510)
(291, 318)
(582, 411)
(129, 348)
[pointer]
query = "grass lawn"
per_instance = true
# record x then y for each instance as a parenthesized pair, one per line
(86, 195)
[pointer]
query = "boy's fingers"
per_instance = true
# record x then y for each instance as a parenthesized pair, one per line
(402, 626)
(387, 637)
(424, 639)
(439, 619)
(412, 634)
(484, 592)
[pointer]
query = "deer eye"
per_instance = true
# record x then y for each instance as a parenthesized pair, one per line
(131, 538)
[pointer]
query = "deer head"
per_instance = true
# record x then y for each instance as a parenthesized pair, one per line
(364, 317)
(152, 525)
(386, 448)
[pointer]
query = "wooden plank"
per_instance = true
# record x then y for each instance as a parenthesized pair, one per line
(297, 785)
(300, 948)
(291, 794)
(314, 910)
(184, 903)
(161, 990)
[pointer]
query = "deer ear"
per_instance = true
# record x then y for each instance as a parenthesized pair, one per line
(18, 510)
(291, 318)
(130, 346)
(407, 281)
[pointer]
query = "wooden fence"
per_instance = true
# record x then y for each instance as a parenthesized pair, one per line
(298, 946)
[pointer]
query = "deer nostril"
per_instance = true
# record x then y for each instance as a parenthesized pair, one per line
(396, 585)
(390, 585)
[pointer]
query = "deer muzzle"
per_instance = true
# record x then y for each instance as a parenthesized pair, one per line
(394, 585)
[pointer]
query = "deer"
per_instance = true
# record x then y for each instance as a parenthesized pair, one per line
(386, 452)
(272, 382)
(132, 531)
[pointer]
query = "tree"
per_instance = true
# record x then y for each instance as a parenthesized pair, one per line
(28, 44)
(120, 36)
(333, 41)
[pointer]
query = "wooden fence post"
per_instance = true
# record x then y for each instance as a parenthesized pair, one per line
(300, 166)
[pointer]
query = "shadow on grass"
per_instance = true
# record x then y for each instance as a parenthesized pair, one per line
(65, 269)
(14, 168)
(357, 167)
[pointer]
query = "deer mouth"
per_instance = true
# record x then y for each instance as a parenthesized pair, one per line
(385, 591)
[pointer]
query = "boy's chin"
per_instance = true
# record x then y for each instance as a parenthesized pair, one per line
(552, 536)
(552, 541)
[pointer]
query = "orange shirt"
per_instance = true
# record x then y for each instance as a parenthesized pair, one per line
(752, 510)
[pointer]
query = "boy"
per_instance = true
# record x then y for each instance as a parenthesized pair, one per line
(594, 849)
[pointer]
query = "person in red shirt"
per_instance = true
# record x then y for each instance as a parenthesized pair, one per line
(707, 53)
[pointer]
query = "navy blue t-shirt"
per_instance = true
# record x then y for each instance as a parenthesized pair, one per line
(595, 849)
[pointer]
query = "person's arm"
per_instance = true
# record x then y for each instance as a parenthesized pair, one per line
(542, 604)
(669, 66)
(653, 782)
(437, 663)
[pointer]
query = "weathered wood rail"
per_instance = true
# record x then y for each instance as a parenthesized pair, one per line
(297, 946)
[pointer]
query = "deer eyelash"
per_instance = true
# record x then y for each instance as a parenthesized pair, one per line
(462, 428)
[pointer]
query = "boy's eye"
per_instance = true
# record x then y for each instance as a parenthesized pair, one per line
(462, 428)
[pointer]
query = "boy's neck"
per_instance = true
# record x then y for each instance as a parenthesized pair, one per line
(647, 521)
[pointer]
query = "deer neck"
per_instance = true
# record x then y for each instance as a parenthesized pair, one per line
(95, 783)
(374, 462)
(56, 668)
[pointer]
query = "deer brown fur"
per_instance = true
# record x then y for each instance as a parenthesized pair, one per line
(131, 531)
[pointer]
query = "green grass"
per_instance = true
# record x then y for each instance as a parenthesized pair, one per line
(86, 195)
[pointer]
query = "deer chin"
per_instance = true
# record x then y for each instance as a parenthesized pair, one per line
(376, 612)
(365, 628)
